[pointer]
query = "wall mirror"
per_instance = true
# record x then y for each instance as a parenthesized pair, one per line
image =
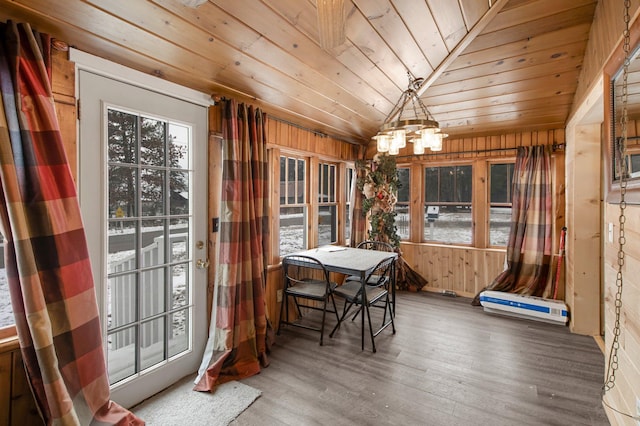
(632, 159)
(614, 77)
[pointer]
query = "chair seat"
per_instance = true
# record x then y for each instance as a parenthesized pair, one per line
(350, 291)
(310, 288)
(373, 279)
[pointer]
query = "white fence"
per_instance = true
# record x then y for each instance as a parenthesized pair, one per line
(152, 293)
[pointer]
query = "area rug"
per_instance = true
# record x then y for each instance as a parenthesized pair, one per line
(181, 405)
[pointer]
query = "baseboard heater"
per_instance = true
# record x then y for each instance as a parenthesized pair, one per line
(530, 307)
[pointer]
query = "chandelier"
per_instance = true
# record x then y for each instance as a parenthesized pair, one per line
(411, 122)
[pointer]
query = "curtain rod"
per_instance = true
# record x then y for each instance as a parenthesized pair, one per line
(218, 99)
(554, 147)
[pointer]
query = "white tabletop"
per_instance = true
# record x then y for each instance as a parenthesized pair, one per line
(348, 260)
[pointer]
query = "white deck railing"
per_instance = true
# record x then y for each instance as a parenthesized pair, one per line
(152, 294)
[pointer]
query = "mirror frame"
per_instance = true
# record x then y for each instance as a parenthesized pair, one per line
(611, 69)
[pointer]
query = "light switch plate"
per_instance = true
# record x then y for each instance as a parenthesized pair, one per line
(610, 232)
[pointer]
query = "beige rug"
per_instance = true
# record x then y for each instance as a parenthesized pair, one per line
(181, 405)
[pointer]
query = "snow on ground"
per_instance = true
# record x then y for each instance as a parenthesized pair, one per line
(6, 313)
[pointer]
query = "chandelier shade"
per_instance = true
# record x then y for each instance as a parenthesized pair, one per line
(409, 120)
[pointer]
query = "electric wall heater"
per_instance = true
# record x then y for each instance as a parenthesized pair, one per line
(529, 307)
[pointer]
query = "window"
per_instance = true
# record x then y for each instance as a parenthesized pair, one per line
(327, 204)
(6, 311)
(402, 205)
(447, 206)
(149, 220)
(293, 207)
(500, 179)
(350, 189)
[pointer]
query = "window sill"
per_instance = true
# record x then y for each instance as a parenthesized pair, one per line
(8, 340)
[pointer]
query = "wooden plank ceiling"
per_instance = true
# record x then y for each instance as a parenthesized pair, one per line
(488, 67)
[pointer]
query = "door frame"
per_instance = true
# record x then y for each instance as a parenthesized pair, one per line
(124, 392)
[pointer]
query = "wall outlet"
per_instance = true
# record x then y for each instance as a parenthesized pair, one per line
(279, 296)
(637, 411)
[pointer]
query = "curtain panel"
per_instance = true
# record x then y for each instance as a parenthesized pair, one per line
(529, 246)
(46, 256)
(358, 217)
(237, 345)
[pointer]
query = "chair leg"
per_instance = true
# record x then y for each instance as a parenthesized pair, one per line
(335, 308)
(345, 310)
(373, 342)
(362, 299)
(324, 314)
(282, 313)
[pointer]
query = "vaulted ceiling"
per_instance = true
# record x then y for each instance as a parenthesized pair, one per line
(488, 67)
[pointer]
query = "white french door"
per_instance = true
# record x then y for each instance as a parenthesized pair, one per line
(143, 193)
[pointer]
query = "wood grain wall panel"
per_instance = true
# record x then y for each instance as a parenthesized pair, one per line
(627, 388)
(17, 406)
(462, 270)
(6, 366)
(63, 87)
(23, 406)
(605, 32)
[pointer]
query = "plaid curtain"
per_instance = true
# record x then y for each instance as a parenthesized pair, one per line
(529, 247)
(358, 219)
(46, 257)
(237, 343)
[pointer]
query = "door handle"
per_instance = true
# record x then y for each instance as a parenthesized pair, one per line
(202, 264)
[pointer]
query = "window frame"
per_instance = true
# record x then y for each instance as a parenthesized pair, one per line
(489, 204)
(472, 204)
(406, 203)
(349, 186)
(305, 204)
(333, 187)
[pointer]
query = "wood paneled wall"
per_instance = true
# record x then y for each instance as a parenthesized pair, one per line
(17, 406)
(606, 32)
(627, 384)
(467, 270)
(590, 246)
(464, 270)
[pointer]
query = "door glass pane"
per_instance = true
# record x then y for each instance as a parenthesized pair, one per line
(179, 193)
(122, 292)
(123, 191)
(153, 142)
(123, 137)
(152, 292)
(152, 188)
(148, 233)
(122, 242)
(179, 337)
(152, 337)
(179, 289)
(121, 353)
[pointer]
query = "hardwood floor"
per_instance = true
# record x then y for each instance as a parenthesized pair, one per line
(448, 364)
